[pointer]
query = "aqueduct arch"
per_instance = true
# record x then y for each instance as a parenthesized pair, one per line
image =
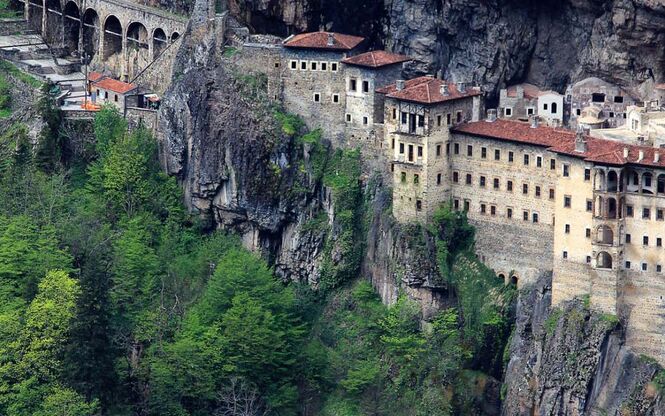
(90, 33)
(112, 38)
(159, 42)
(72, 26)
(54, 23)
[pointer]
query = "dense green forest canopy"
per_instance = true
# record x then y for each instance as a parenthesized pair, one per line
(115, 301)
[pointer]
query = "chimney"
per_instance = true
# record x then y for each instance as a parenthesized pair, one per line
(491, 115)
(580, 141)
(640, 156)
(439, 74)
(534, 122)
(519, 91)
(656, 157)
(461, 87)
(400, 84)
(444, 89)
(331, 39)
(625, 153)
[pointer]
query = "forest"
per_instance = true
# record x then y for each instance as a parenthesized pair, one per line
(114, 300)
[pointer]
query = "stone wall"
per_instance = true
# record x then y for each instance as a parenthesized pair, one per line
(157, 76)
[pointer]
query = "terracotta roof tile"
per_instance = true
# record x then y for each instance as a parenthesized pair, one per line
(115, 85)
(563, 141)
(94, 76)
(319, 40)
(530, 91)
(427, 90)
(376, 59)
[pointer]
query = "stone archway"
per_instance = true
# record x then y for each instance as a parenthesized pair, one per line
(72, 27)
(138, 48)
(159, 42)
(604, 260)
(54, 25)
(35, 12)
(112, 38)
(90, 33)
(174, 36)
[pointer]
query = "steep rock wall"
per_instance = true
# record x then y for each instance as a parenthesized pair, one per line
(493, 43)
(571, 361)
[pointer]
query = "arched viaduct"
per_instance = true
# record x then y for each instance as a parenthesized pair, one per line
(117, 35)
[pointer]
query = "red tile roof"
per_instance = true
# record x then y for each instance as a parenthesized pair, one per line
(376, 59)
(319, 40)
(660, 86)
(114, 85)
(530, 91)
(427, 90)
(562, 141)
(94, 76)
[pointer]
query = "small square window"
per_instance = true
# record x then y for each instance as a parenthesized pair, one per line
(303, 65)
(525, 215)
(629, 211)
(416, 179)
(587, 174)
(565, 254)
(587, 233)
(566, 229)
(317, 97)
(589, 205)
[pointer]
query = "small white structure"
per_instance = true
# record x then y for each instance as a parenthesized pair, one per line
(109, 90)
(550, 107)
(523, 101)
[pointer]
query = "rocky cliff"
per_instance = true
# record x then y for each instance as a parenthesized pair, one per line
(570, 361)
(496, 42)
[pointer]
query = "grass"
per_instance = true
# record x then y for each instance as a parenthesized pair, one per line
(9, 68)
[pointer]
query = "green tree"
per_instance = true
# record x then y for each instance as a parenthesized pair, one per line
(62, 401)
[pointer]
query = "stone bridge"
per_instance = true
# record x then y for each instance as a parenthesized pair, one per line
(116, 35)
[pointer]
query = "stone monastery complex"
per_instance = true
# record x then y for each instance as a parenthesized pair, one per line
(544, 199)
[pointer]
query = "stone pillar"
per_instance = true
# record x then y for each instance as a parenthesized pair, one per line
(124, 65)
(44, 18)
(100, 48)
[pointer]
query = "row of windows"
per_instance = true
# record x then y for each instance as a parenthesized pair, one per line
(317, 98)
(353, 85)
(406, 117)
(646, 213)
(645, 240)
(496, 184)
(491, 209)
(627, 265)
(320, 66)
(416, 177)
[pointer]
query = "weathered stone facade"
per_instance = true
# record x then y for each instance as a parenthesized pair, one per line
(610, 99)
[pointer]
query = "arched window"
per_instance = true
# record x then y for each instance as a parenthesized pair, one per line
(611, 208)
(554, 106)
(604, 260)
(605, 235)
(612, 181)
(112, 37)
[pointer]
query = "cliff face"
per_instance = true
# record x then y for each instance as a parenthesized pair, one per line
(570, 361)
(493, 43)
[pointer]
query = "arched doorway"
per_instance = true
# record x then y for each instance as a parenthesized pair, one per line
(159, 42)
(112, 37)
(174, 36)
(54, 25)
(604, 260)
(35, 11)
(90, 33)
(611, 208)
(72, 27)
(138, 48)
(605, 235)
(514, 280)
(612, 181)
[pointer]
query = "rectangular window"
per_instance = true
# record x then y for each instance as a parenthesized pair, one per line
(348, 118)
(659, 214)
(539, 161)
(410, 155)
(303, 65)
(566, 201)
(314, 66)
(438, 179)
(365, 121)
(483, 153)
(587, 233)
(456, 149)
(401, 148)
(508, 112)
(419, 205)
(482, 208)
(497, 154)
(317, 97)
(510, 157)
(551, 193)
(525, 215)
(482, 181)
(492, 210)
(588, 259)
(469, 150)
(659, 242)
(525, 188)
(324, 66)
(115, 98)
(438, 150)
(438, 120)
(552, 164)
(447, 148)
(645, 240)
(627, 265)
(467, 205)
(496, 183)
(587, 174)
(403, 177)
(537, 191)
(566, 170)
(509, 213)
(293, 64)
(659, 268)
(468, 179)
(509, 186)
(628, 238)
(526, 160)
(566, 229)
(534, 217)
(353, 84)
(448, 119)
(644, 267)
(421, 121)
(333, 66)
(629, 211)
(335, 98)
(455, 177)
(459, 116)
(420, 151)
(646, 213)
(565, 254)
(394, 114)
(365, 86)
(456, 204)
(589, 205)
